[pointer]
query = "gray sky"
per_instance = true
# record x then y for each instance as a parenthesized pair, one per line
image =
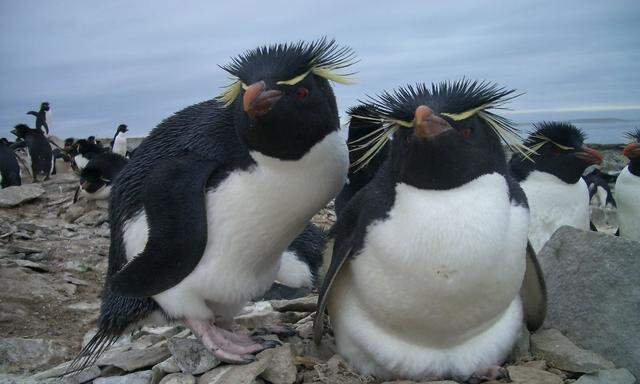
(101, 63)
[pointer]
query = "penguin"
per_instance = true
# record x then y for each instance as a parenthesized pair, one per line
(202, 213)
(9, 168)
(361, 130)
(86, 150)
(119, 144)
(599, 190)
(551, 179)
(43, 117)
(299, 265)
(628, 190)
(96, 178)
(428, 260)
(39, 149)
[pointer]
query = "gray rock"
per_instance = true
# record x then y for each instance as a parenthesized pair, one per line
(234, 374)
(191, 356)
(560, 352)
(17, 354)
(526, 375)
(258, 315)
(281, 368)
(93, 218)
(134, 359)
(336, 370)
(14, 196)
(594, 295)
(85, 375)
(142, 377)
(167, 366)
(178, 378)
(610, 376)
(302, 304)
(32, 265)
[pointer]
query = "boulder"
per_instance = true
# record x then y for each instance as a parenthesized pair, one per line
(594, 295)
(610, 376)
(560, 352)
(18, 354)
(190, 356)
(16, 195)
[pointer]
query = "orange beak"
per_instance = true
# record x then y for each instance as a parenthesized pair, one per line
(257, 101)
(632, 150)
(427, 125)
(590, 155)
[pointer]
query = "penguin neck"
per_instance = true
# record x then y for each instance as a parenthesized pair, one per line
(634, 166)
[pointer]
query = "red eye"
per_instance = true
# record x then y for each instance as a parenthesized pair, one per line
(466, 133)
(302, 93)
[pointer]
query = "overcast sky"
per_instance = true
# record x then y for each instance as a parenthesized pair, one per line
(101, 63)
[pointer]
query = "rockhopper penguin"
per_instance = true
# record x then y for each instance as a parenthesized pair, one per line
(628, 190)
(98, 176)
(551, 179)
(428, 259)
(39, 149)
(9, 168)
(43, 117)
(86, 150)
(197, 216)
(119, 144)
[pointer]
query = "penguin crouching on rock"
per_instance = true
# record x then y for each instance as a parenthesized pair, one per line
(119, 144)
(628, 190)
(202, 213)
(96, 178)
(85, 150)
(39, 149)
(9, 168)
(552, 179)
(428, 259)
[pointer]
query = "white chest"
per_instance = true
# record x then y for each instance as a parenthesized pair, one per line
(628, 200)
(120, 144)
(554, 203)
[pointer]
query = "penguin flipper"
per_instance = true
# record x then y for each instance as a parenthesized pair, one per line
(34, 113)
(534, 292)
(177, 236)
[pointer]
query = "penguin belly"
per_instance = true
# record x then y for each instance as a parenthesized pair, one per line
(253, 215)
(120, 145)
(554, 203)
(628, 200)
(81, 161)
(434, 292)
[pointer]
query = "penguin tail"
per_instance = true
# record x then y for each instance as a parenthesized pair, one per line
(99, 343)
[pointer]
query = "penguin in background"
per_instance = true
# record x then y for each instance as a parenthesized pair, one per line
(39, 149)
(202, 213)
(552, 181)
(43, 117)
(599, 190)
(428, 260)
(86, 150)
(9, 168)
(98, 176)
(119, 143)
(362, 129)
(628, 190)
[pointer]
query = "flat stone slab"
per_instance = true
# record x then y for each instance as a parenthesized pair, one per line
(16, 195)
(560, 352)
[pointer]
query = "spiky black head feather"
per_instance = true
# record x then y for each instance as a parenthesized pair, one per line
(633, 135)
(563, 133)
(21, 130)
(286, 61)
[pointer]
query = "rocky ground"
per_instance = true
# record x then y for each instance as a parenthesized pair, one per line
(53, 257)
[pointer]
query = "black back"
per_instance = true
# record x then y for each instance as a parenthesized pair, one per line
(597, 178)
(9, 168)
(39, 149)
(101, 170)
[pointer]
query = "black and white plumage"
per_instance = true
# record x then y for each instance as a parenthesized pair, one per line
(119, 143)
(43, 117)
(552, 180)
(99, 174)
(40, 154)
(85, 150)
(628, 190)
(428, 259)
(213, 196)
(9, 168)
(599, 190)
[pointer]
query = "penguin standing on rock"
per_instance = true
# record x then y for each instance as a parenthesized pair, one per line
(9, 168)
(39, 149)
(552, 179)
(428, 259)
(201, 215)
(96, 178)
(43, 117)
(119, 144)
(628, 190)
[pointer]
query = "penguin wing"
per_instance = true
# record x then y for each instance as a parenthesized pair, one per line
(534, 292)
(174, 202)
(34, 113)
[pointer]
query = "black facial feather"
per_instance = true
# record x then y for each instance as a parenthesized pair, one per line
(288, 60)
(562, 133)
(633, 135)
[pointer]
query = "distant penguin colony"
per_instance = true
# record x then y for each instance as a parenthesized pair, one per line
(9, 168)
(628, 190)
(119, 144)
(269, 145)
(43, 118)
(39, 149)
(551, 179)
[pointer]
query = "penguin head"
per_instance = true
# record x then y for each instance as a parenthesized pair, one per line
(21, 131)
(632, 150)
(91, 139)
(444, 135)
(122, 128)
(281, 99)
(560, 151)
(68, 142)
(45, 106)
(100, 171)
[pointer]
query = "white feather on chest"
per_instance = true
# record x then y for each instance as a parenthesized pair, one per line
(554, 203)
(436, 285)
(628, 200)
(253, 215)
(120, 144)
